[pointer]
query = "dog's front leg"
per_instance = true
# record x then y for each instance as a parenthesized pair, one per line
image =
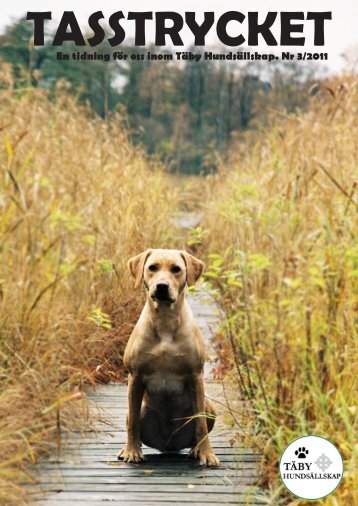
(203, 448)
(132, 451)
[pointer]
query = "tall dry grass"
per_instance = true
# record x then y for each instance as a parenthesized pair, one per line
(77, 199)
(284, 264)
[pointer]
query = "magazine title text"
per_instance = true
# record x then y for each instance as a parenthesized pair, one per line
(233, 28)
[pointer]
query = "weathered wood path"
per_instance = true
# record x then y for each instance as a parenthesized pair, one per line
(88, 472)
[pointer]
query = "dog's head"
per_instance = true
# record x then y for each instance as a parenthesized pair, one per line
(165, 272)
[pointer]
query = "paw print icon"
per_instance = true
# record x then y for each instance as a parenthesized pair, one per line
(301, 452)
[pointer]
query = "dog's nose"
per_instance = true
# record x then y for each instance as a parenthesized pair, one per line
(162, 288)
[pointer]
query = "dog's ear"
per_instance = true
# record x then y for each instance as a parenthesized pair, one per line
(194, 268)
(136, 266)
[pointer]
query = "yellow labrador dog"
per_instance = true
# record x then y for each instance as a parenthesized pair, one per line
(165, 357)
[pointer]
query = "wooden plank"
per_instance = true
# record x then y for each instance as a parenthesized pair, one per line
(110, 442)
(151, 480)
(111, 450)
(115, 436)
(115, 432)
(145, 469)
(149, 488)
(110, 454)
(140, 497)
(132, 502)
(151, 460)
(115, 444)
(137, 471)
(219, 448)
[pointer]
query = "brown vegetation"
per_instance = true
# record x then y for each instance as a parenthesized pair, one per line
(284, 263)
(77, 200)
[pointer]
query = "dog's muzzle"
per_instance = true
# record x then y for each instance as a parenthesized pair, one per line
(162, 293)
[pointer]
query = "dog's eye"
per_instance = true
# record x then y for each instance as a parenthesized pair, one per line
(176, 269)
(153, 268)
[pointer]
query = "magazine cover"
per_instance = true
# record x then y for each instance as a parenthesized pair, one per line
(178, 253)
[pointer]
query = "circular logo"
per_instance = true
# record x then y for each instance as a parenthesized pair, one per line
(311, 467)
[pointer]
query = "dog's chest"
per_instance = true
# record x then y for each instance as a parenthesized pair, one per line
(163, 384)
(165, 363)
(166, 354)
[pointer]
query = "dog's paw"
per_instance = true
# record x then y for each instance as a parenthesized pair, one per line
(207, 458)
(131, 455)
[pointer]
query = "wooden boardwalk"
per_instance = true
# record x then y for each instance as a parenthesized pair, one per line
(89, 474)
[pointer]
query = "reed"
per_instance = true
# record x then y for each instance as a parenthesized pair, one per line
(284, 265)
(77, 199)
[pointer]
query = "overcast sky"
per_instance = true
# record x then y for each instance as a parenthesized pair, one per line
(341, 32)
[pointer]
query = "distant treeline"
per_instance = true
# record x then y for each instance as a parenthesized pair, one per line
(186, 112)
